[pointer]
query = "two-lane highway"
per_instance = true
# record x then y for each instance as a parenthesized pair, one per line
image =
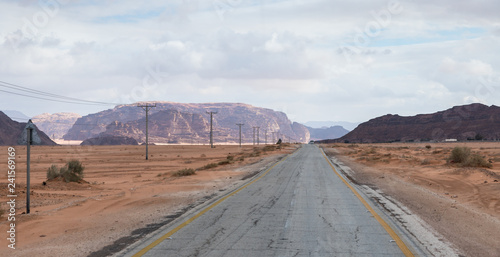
(301, 207)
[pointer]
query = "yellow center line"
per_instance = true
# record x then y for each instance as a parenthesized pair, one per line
(406, 251)
(185, 223)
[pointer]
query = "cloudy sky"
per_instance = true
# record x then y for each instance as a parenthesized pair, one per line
(314, 59)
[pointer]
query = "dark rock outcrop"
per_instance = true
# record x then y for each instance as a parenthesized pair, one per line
(467, 122)
(110, 140)
(13, 133)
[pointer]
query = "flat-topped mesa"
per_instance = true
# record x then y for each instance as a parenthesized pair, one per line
(188, 123)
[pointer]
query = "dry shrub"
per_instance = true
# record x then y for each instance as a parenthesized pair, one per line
(71, 172)
(224, 162)
(209, 166)
(463, 156)
(476, 160)
(459, 154)
(184, 172)
(269, 148)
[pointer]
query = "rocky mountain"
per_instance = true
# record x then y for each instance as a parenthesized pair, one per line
(332, 132)
(187, 123)
(349, 126)
(467, 122)
(13, 132)
(56, 125)
(110, 140)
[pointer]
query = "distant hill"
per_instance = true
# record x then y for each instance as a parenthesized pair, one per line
(11, 132)
(110, 140)
(188, 123)
(332, 132)
(349, 126)
(56, 125)
(467, 122)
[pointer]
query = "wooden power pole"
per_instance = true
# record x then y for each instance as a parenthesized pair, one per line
(211, 129)
(146, 108)
(239, 125)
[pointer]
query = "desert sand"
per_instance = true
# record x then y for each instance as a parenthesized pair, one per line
(122, 192)
(461, 203)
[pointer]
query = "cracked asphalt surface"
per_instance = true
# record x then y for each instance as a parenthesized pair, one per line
(300, 208)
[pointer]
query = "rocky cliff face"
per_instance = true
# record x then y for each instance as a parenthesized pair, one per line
(474, 121)
(12, 132)
(56, 125)
(187, 123)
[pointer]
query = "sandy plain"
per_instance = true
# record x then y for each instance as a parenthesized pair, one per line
(123, 196)
(461, 203)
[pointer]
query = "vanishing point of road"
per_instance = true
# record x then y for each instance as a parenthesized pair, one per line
(299, 207)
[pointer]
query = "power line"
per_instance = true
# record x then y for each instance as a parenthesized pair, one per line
(37, 94)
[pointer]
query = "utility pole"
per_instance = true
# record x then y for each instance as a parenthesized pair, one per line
(29, 139)
(253, 135)
(265, 136)
(258, 138)
(256, 128)
(146, 108)
(239, 125)
(211, 129)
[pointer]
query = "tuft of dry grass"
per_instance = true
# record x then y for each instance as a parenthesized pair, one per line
(184, 172)
(209, 166)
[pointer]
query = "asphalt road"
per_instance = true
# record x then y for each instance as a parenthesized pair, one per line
(301, 207)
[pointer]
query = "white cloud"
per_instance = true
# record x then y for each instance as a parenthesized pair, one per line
(279, 54)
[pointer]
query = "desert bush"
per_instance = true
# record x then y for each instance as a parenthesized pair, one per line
(459, 154)
(71, 172)
(184, 172)
(425, 162)
(52, 172)
(230, 157)
(257, 152)
(428, 146)
(463, 156)
(224, 162)
(209, 166)
(269, 148)
(476, 160)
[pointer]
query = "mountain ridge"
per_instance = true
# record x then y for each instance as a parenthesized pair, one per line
(193, 127)
(464, 122)
(13, 132)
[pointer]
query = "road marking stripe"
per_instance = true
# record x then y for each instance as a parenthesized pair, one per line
(406, 251)
(185, 223)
